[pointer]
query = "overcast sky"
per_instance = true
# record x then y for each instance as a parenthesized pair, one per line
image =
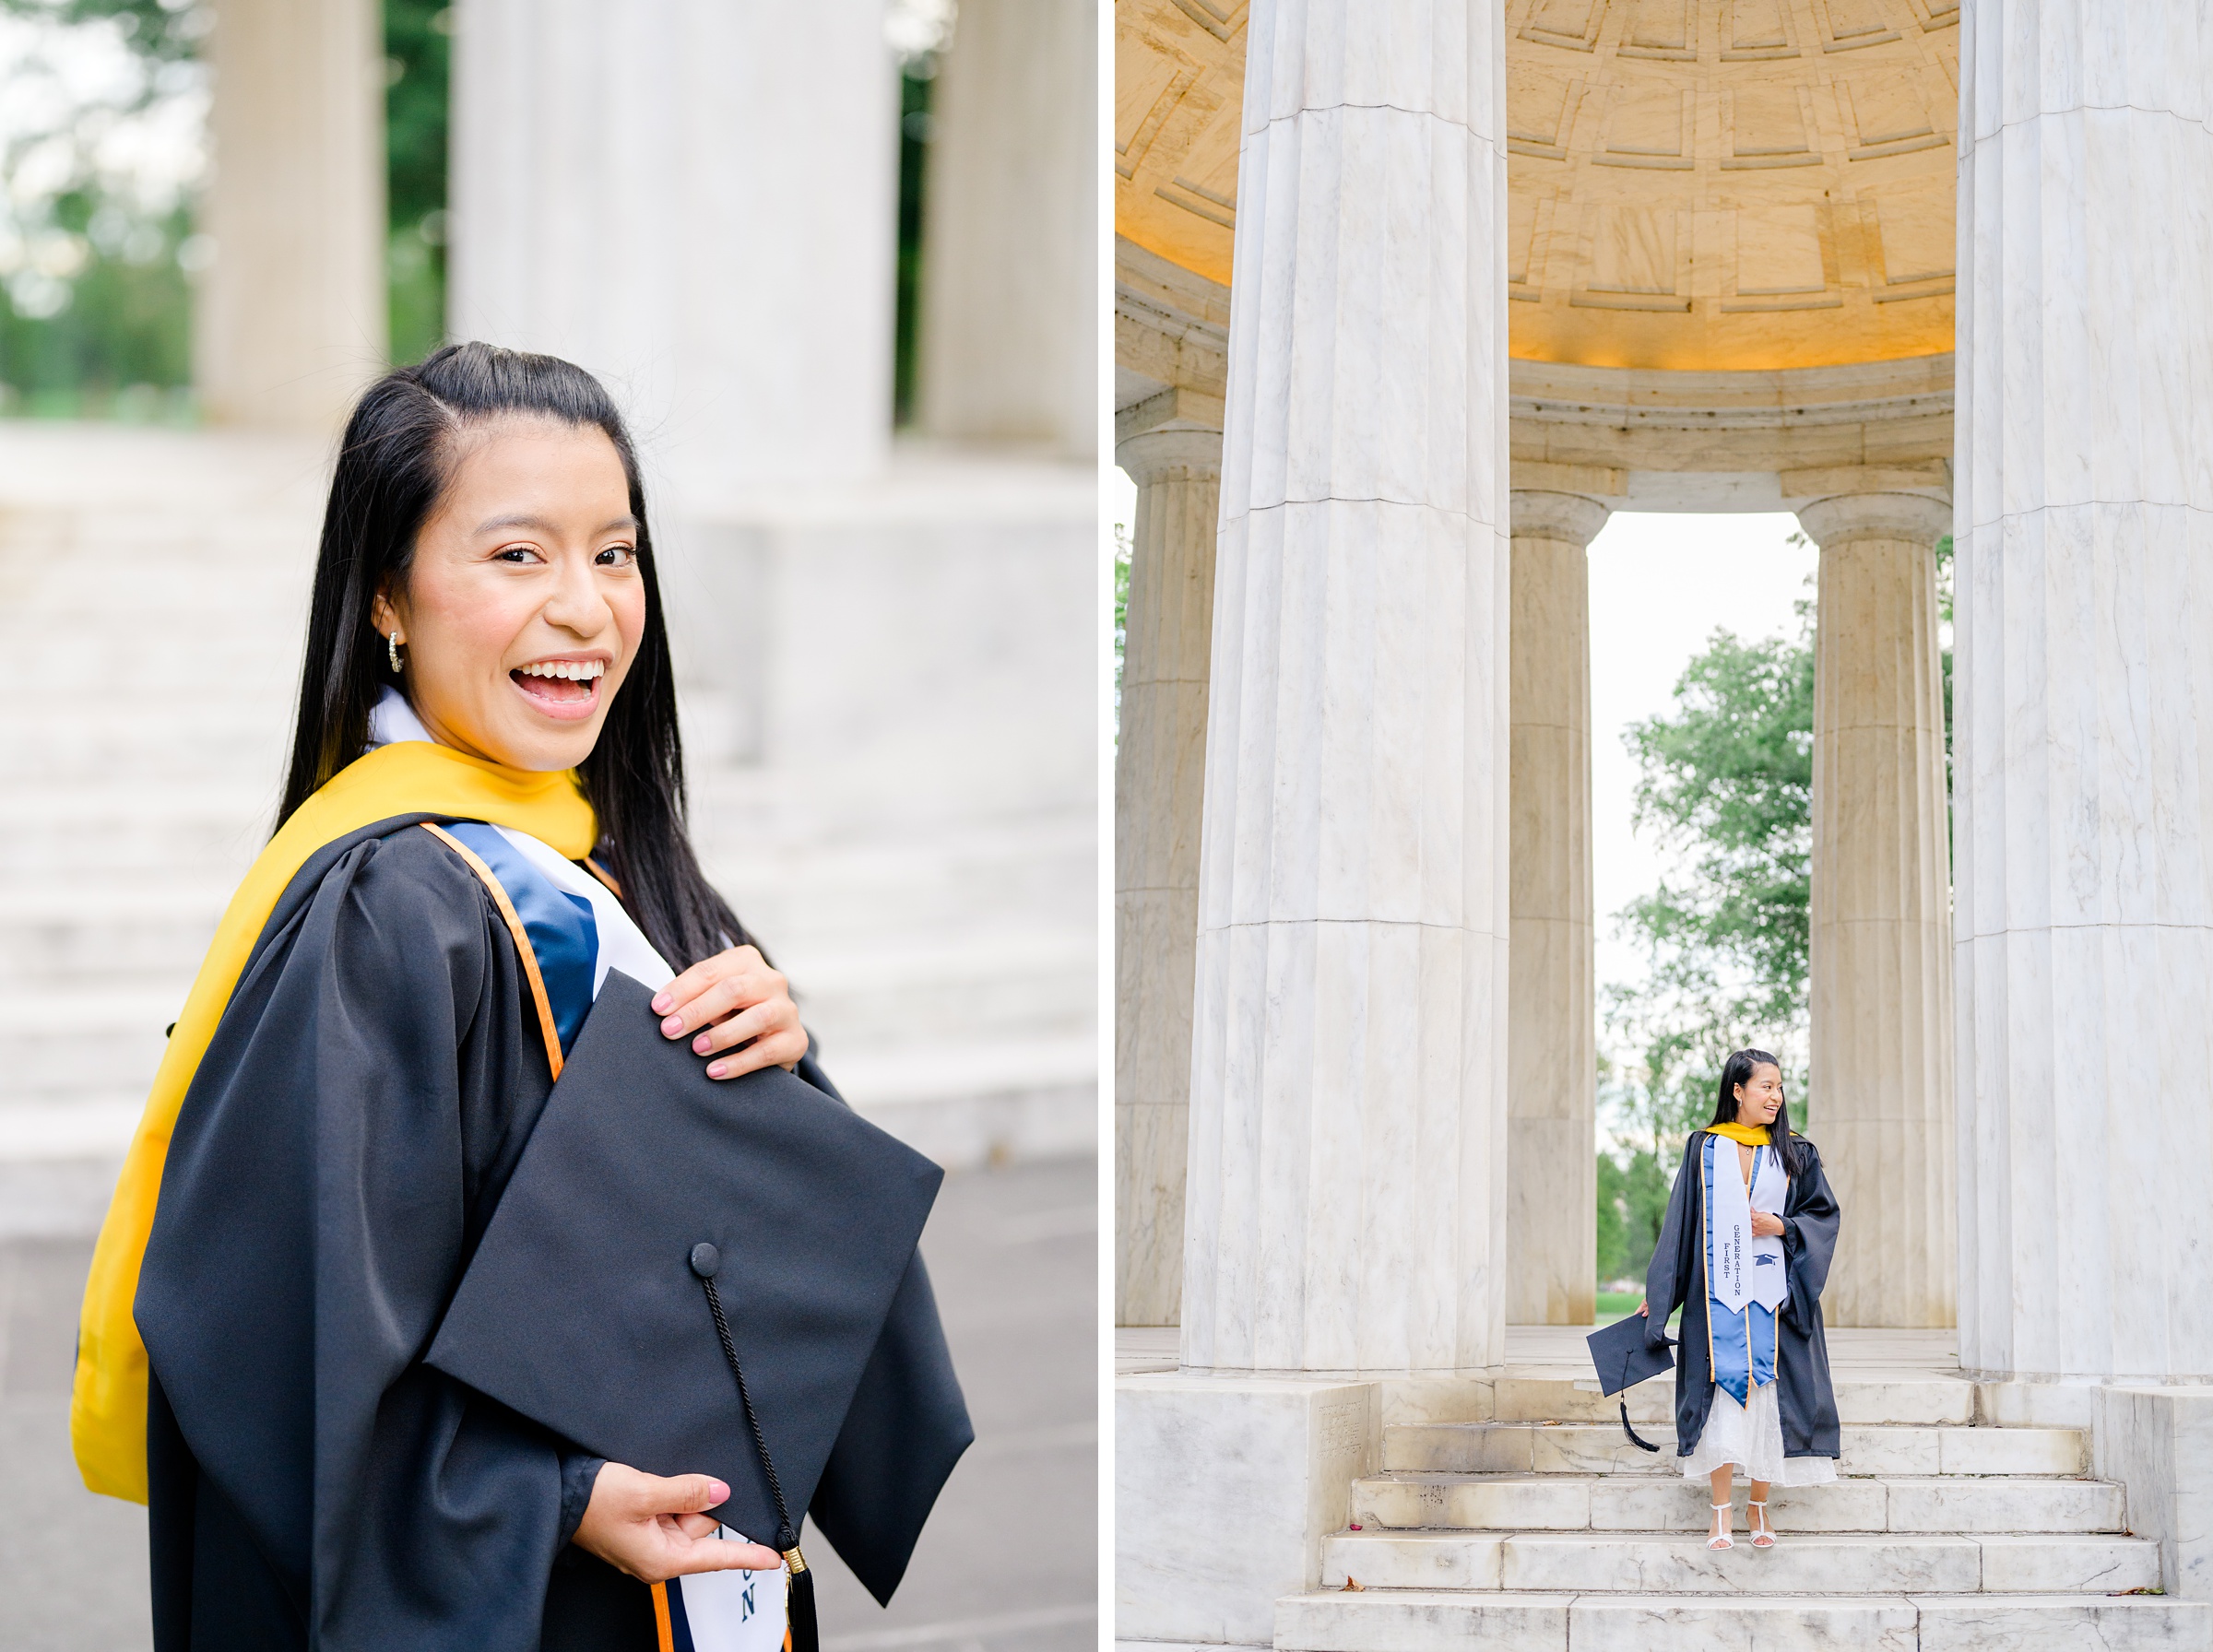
(1660, 586)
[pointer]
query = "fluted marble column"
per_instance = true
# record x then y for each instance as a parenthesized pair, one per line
(1008, 336)
(289, 322)
(2084, 690)
(1176, 460)
(698, 202)
(1552, 1045)
(1881, 898)
(1345, 1209)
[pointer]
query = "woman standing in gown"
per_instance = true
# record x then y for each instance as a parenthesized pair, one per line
(1744, 1252)
(369, 1045)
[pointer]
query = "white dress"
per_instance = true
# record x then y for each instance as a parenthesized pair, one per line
(1751, 1437)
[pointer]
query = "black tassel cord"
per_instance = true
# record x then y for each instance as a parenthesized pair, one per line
(800, 1633)
(1635, 1438)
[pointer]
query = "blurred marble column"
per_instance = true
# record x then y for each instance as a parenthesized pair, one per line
(1171, 446)
(2083, 731)
(1345, 1209)
(289, 321)
(1552, 1042)
(697, 200)
(1008, 339)
(1881, 911)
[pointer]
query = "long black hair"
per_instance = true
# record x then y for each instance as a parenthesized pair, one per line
(1738, 1069)
(394, 465)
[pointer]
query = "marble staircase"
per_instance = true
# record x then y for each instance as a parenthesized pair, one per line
(152, 596)
(1544, 1529)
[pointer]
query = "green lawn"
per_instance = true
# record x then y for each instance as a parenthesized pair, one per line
(1620, 1304)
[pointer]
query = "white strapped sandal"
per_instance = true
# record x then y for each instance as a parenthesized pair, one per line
(1763, 1535)
(1722, 1539)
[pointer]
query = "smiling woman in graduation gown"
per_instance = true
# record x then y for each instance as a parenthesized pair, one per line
(357, 1076)
(1676, 1279)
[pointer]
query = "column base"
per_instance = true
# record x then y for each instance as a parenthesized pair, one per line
(2157, 1443)
(1224, 1488)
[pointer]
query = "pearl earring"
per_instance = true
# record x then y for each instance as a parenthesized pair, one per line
(392, 652)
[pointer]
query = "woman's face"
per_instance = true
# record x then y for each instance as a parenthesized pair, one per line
(1759, 1098)
(524, 606)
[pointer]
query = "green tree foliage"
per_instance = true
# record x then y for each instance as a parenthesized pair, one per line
(1943, 621)
(1614, 1253)
(1725, 783)
(1727, 780)
(916, 77)
(95, 284)
(920, 31)
(418, 67)
(95, 233)
(120, 344)
(159, 30)
(1632, 1202)
(1123, 550)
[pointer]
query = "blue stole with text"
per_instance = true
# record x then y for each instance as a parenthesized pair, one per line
(1740, 1347)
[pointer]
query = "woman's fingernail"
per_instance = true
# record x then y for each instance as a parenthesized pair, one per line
(672, 1026)
(702, 1043)
(720, 1492)
(662, 1003)
(715, 1071)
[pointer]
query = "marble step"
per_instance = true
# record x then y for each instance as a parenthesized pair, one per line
(116, 888)
(55, 1047)
(1866, 1401)
(135, 933)
(1601, 1449)
(1801, 1563)
(911, 966)
(962, 1101)
(1641, 1503)
(1426, 1620)
(93, 825)
(985, 984)
(159, 745)
(60, 1038)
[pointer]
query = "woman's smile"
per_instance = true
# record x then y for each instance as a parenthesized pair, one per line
(565, 688)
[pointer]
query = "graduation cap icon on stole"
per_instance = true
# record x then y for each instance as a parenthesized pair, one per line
(1624, 1359)
(686, 1276)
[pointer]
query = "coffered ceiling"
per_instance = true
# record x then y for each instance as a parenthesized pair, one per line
(1693, 184)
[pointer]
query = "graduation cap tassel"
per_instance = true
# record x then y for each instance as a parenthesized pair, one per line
(800, 1633)
(1635, 1438)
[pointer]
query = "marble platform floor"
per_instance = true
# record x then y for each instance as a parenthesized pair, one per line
(1557, 1350)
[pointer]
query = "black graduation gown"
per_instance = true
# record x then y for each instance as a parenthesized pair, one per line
(342, 1147)
(1676, 1279)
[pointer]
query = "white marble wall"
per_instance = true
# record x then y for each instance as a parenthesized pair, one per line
(1160, 759)
(1345, 1209)
(1881, 938)
(1552, 1042)
(289, 322)
(1007, 341)
(2084, 690)
(695, 199)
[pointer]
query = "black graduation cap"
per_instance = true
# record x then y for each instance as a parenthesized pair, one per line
(1624, 1359)
(653, 1211)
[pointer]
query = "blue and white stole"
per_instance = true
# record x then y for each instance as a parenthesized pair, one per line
(578, 931)
(1745, 1276)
